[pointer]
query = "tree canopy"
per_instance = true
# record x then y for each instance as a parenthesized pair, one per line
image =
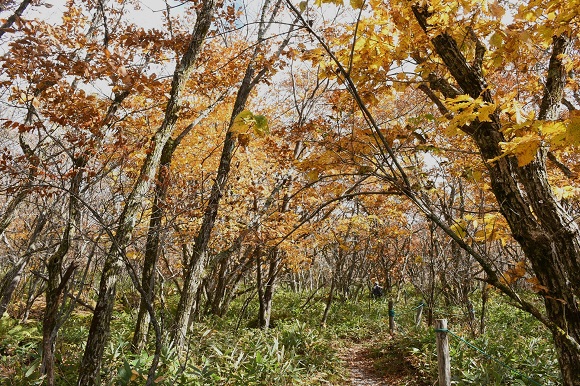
(221, 142)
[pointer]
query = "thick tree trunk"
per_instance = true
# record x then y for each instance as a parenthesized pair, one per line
(548, 235)
(99, 330)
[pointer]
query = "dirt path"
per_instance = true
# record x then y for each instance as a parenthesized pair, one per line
(369, 365)
(360, 366)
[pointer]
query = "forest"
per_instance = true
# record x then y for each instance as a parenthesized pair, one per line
(204, 192)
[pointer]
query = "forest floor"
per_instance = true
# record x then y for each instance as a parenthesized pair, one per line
(374, 363)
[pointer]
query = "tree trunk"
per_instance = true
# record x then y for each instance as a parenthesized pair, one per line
(99, 330)
(260, 287)
(484, 297)
(152, 248)
(219, 293)
(548, 235)
(269, 288)
(328, 302)
(56, 280)
(200, 258)
(12, 277)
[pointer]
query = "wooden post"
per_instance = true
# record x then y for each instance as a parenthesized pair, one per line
(419, 315)
(391, 318)
(443, 358)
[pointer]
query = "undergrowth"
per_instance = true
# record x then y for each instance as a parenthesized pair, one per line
(296, 350)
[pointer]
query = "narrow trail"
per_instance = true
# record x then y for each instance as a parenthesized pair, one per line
(359, 363)
(369, 366)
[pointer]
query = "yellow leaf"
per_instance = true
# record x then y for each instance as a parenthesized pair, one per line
(485, 111)
(496, 40)
(358, 4)
(312, 176)
(573, 128)
(242, 122)
(524, 148)
(480, 236)
(320, 2)
(459, 228)
(459, 103)
(555, 132)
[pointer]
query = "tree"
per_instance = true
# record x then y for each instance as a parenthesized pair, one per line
(457, 48)
(98, 333)
(254, 73)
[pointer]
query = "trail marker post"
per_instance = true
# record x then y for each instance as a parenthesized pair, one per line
(391, 318)
(419, 315)
(443, 357)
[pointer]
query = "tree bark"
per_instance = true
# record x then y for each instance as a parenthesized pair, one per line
(329, 300)
(269, 289)
(56, 280)
(548, 235)
(11, 279)
(200, 257)
(100, 324)
(17, 14)
(152, 248)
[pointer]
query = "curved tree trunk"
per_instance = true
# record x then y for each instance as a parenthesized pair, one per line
(548, 235)
(200, 258)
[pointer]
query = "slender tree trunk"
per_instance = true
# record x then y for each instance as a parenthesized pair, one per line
(484, 295)
(12, 278)
(329, 300)
(56, 280)
(200, 257)
(234, 283)
(269, 288)
(100, 324)
(219, 293)
(260, 288)
(152, 248)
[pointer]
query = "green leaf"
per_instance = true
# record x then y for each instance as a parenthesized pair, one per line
(31, 369)
(261, 127)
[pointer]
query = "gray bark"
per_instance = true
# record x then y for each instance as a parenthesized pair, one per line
(200, 257)
(100, 324)
(12, 277)
(56, 280)
(17, 14)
